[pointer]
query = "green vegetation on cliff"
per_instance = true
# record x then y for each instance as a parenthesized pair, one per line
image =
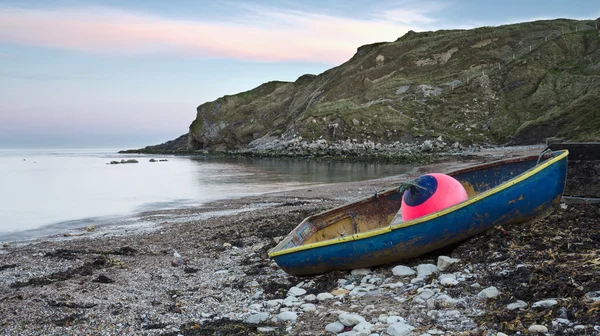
(517, 83)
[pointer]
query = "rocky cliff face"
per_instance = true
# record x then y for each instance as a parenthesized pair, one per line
(517, 83)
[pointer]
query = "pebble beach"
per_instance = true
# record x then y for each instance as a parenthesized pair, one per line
(205, 271)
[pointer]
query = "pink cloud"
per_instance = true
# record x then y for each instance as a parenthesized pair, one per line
(267, 34)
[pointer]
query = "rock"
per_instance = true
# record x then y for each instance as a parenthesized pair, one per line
(292, 301)
(152, 160)
(295, 291)
(446, 300)
(360, 271)
(350, 320)
(104, 279)
(257, 318)
(536, 328)
(544, 304)
(287, 316)
(324, 296)
(489, 293)
(448, 282)
(308, 307)
(399, 329)
(265, 329)
(355, 122)
(424, 270)
(394, 319)
(363, 327)
(340, 291)
(403, 271)
(310, 298)
(426, 294)
(274, 303)
(335, 327)
(444, 262)
(516, 305)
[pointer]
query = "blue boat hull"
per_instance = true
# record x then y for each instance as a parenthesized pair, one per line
(521, 191)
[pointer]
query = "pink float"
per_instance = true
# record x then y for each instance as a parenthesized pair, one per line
(430, 193)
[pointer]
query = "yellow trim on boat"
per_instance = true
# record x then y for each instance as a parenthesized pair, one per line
(470, 201)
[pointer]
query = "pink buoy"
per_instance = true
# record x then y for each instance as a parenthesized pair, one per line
(432, 192)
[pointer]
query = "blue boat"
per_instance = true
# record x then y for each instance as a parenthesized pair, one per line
(362, 234)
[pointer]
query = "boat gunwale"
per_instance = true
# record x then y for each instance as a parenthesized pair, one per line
(376, 232)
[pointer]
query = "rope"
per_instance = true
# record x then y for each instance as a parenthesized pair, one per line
(544, 152)
(409, 185)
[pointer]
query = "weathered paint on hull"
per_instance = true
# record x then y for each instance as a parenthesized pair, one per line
(513, 204)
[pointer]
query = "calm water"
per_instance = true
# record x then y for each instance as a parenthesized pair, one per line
(51, 191)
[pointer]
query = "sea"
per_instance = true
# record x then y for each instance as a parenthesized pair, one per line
(49, 191)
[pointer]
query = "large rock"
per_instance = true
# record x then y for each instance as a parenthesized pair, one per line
(403, 271)
(444, 263)
(350, 320)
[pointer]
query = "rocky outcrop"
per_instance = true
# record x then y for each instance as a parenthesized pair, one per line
(515, 84)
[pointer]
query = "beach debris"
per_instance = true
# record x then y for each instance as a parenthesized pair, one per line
(104, 279)
(177, 260)
(91, 228)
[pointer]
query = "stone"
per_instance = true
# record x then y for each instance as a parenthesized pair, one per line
(274, 303)
(537, 328)
(399, 329)
(489, 293)
(295, 291)
(257, 318)
(350, 320)
(340, 291)
(335, 327)
(265, 329)
(394, 319)
(445, 262)
(448, 282)
(363, 327)
(544, 304)
(516, 305)
(310, 298)
(426, 294)
(324, 296)
(403, 271)
(308, 307)
(287, 316)
(425, 270)
(360, 271)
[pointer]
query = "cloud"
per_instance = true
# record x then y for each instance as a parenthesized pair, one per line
(261, 34)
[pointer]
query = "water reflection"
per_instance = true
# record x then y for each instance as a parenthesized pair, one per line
(281, 170)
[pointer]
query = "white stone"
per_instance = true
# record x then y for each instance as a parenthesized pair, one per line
(274, 303)
(295, 291)
(501, 334)
(350, 333)
(324, 296)
(545, 304)
(363, 327)
(310, 297)
(426, 294)
(394, 319)
(445, 262)
(287, 316)
(489, 293)
(446, 300)
(292, 301)
(516, 305)
(448, 282)
(350, 320)
(579, 327)
(563, 321)
(399, 329)
(403, 271)
(424, 270)
(308, 307)
(349, 287)
(265, 329)
(360, 271)
(536, 328)
(257, 318)
(417, 280)
(335, 327)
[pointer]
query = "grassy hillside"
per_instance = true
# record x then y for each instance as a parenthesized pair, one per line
(516, 83)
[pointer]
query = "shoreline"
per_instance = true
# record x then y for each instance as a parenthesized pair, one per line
(133, 284)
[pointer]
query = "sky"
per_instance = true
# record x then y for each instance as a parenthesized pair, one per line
(113, 73)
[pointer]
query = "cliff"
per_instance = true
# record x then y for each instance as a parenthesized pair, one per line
(516, 84)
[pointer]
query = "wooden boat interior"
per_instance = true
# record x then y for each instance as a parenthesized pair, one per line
(379, 210)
